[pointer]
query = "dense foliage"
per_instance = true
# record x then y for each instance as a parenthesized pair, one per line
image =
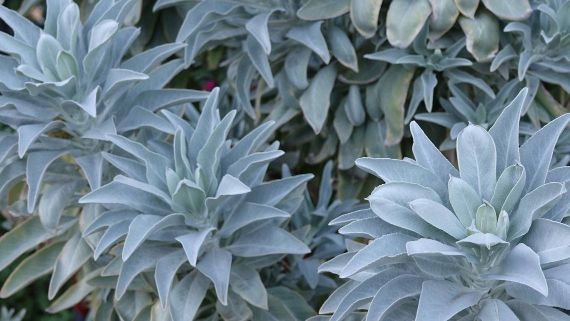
(144, 193)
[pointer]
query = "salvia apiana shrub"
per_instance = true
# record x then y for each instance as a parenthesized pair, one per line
(287, 160)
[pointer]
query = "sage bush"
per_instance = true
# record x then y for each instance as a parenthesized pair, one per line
(264, 160)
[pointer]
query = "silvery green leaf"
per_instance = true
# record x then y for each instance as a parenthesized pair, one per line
(286, 304)
(142, 226)
(391, 170)
(199, 14)
(467, 7)
(505, 132)
(74, 294)
(486, 218)
(392, 294)
(296, 64)
(53, 202)
(33, 267)
(441, 300)
(557, 280)
(518, 10)
(145, 61)
(392, 93)
(439, 216)
(380, 251)
(72, 257)
(92, 166)
(315, 101)
(354, 108)
(342, 124)
(216, 265)
(459, 76)
(143, 259)
(259, 60)
(536, 152)
(429, 81)
(192, 242)
(311, 36)
(364, 16)
(493, 309)
(187, 296)
(245, 282)
(318, 10)
(28, 134)
(349, 151)
(342, 48)
(482, 33)
(477, 158)
(36, 167)
(536, 312)
(427, 155)
(534, 205)
(257, 26)
(249, 213)
(444, 13)
(401, 32)
(113, 234)
(521, 265)
(267, 241)
(102, 33)
(509, 188)
(24, 29)
(504, 55)
(427, 247)
(165, 273)
(119, 78)
(235, 310)
(368, 228)
(336, 265)
(157, 99)
(360, 294)
(549, 240)
(464, 200)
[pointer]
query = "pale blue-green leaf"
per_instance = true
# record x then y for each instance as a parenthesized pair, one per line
(229, 185)
(216, 265)
(467, 7)
(441, 300)
(201, 13)
(391, 294)
(311, 36)
(342, 124)
(318, 10)
(109, 218)
(444, 13)
(187, 296)
(401, 32)
(395, 83)
(148, 59)
(558, 287)
(72, 257)
(342, 48)
(248, 213)
(486, 218)
(257, 27)
(432, 247)
(549, 239)
(245, 282)
(370, 228)
(143, 226)
(429, 82)
(496, 310)
(92, 167)
(509, 10)
(505, 132)
(507, 53)
(260, 60)
(143, 259)
(165, 273)
(477, 158)
(111, 236)
(353, 107)
(192, 243)
(364, 16)
(74, 294)
(24, 29)
(536, 152)
(392, 170)
(119, 78)
(36, 167)
(509, 188)
(522, 266)
(272, 192)
(482, 35)
(333, 301)
(428, 156)
(27, 134)
(315, 101)
(439, 216)
(378, 252)
(464, 200)
(478, 240)
(532, 206)
(33, 267)
(267, 241)
(296, 64)
(102, 33)
(53, 203)
(154, 100)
